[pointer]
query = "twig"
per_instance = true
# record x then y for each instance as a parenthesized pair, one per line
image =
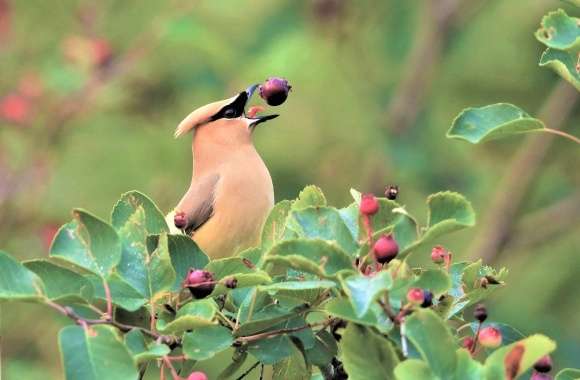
(498, 223)
(109, 299)
(404, 347)
(273, 333)
(563, 134)
(388, 310)
(248, 371)
(169, 365)
(475, 338)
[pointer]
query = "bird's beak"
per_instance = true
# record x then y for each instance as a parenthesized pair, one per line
(254, 120)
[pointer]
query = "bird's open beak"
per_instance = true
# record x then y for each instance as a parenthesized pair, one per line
(254, 120)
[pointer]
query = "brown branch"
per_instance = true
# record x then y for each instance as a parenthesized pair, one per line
(553, 219)
(273, 333)
(519, 175)
(407, 102)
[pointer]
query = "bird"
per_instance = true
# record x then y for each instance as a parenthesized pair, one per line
(231, 191)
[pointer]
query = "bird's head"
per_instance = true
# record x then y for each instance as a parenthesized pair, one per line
(225, 121)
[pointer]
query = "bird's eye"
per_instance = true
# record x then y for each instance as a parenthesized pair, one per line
(230, 113)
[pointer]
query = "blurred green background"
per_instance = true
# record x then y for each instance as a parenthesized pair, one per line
(91, 92)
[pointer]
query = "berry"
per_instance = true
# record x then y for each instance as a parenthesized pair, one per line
(198, 375)
(540, 376)
(391, 192)
(200, 283)
(467, 343)
(180, 220)
(369, 205)
(428, 299)
(480, 313)
(544, 364)
(438, 254)
(231, 283)
(416, 296)
(15, 108)
(490, 337)
(275, 91)
(385, 249)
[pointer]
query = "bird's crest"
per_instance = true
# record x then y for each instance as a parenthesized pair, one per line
(200, 116)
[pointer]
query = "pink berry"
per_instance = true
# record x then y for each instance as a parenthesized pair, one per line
(180, 220)
(385, 249)
(438, 254)
(490, 337)
(275, 91)
(200, 283)
(541, 376)
(15, 108)
(369, 205)
(544, 364)
(197, 376)
(467, 343)
(416, 296)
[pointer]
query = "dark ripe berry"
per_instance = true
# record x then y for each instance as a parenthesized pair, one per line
(385, 249)
(428, 299)
(231, 283)
(391, 192)
(541, 376)
(490, 337)
(369, 205)
(180, 220)
(416, 296)
(544, 364)
(200, 283)
(438, 254)
(467, 343)
(480, 312)
(275, 91)
(198, 375)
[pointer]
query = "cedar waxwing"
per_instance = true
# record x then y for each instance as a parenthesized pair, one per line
(231, 191)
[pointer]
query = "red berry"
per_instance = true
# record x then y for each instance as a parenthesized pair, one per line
(438, 254)
(385, 249)
(200, 283)
(480, 312)
(391, 192)
(180, 220)
(15, 108)
(467, 343)
(541, 376)
(197, 376)
(544, 364)
(416, 296)
(275, 91)
(490, 337)
(231, 283)
(369, 205)
(102, 52)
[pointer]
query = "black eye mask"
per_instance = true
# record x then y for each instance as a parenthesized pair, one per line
(234, 109)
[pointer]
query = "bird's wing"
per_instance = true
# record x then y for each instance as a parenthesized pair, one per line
(198, 202)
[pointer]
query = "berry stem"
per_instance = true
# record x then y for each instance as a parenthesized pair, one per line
(388, 310)
(475, 338)
(562, 134)
(369, 230)
(447, 260)
(167, 363)
(152, 315)
(109, 299)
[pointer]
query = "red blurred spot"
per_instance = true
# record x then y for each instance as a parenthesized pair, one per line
(15, 108)
(47, 234)
(102, 52)
(254, 110)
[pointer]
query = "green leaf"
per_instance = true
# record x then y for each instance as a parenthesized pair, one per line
(467, 367)
(128, 205)
(568, 373)
(323, 223)
(292, 368)
(324, 349)
(428, 333)
(272, 350)
(448, 212)
(298, 285)
(535, 347)
(161, 273)
(122, 294)
(274, 229)
(205, 343)
(435, 280)
(310, 196)
(141, 351)
(61, 284)
(95, 354)
(413, 369)
(193, 315)
(17, 282)
(185, 254)
(491, 122)
(364, 290)
(89, 243)
(349, 216)
(367, 355)
(559, 31)
(563, 63)
(342, 308)
(312, 256)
